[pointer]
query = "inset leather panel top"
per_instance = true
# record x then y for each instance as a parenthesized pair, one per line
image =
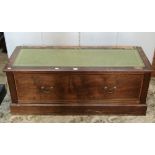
(79, 57)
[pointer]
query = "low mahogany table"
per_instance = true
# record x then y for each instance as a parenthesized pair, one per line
(78, 80)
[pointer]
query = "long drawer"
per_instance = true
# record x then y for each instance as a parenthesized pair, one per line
(108, 86)
(40, 88)
(47, 88)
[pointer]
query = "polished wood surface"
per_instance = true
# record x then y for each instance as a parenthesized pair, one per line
(86, 90)
(36, 88)
(85, 109)
(106, 86)
(12, 87)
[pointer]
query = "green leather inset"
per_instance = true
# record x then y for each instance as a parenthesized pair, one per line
(79, 57)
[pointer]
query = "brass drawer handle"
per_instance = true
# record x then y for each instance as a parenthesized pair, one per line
(46, 89)
(110, 90)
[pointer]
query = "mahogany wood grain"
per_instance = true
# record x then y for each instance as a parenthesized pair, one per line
(12, 87)
(48, 109)
(52, 87)
(88, 90)
(38, 87)
(106, 86)
(145, 87)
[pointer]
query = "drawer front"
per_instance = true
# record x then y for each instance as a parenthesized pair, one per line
(62, 88)
(40, 88)
(108, 86)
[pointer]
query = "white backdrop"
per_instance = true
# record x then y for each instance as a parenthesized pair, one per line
(144, 39)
